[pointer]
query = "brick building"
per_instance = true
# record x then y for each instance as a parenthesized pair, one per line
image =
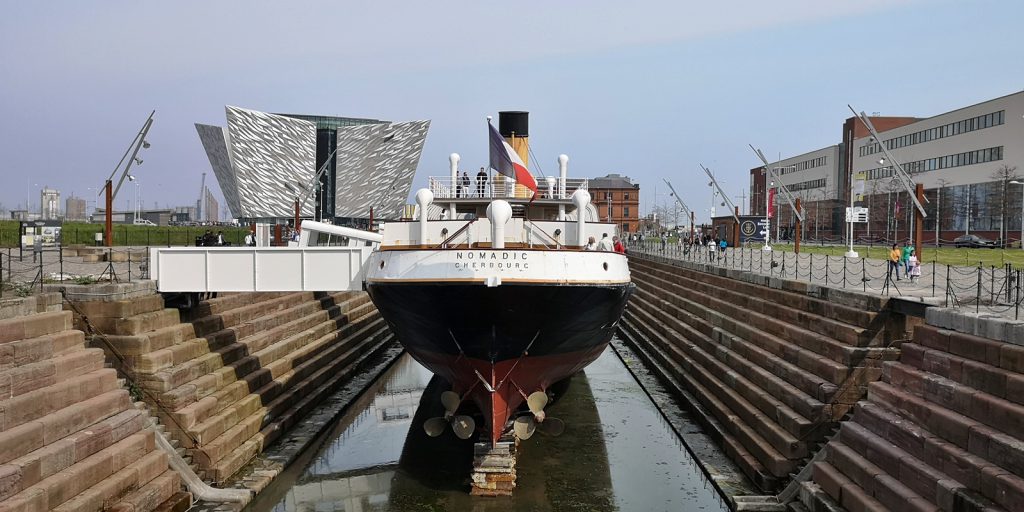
(617, 200)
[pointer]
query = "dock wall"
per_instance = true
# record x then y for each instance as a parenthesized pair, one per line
(942, 430)
(769, 366)
(236, 372)
(71, 437)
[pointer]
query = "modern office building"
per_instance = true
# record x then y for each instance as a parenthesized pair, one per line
(264, 163)
(74, 208)
(49, 204)
(617, 200)
(967, 159)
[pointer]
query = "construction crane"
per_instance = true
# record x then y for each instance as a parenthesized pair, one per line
(199, 203)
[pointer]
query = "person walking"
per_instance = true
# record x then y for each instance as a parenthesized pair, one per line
(712, 247)
(915, 266)
(905, 258)
(894, 262)
(481, 182)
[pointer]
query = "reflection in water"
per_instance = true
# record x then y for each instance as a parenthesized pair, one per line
(616, 454)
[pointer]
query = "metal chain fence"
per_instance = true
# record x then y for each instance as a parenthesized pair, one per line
(995, 289)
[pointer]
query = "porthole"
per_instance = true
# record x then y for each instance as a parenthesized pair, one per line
(605, 265)
(382, 264)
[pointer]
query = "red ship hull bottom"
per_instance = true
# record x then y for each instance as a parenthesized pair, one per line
(512, 380)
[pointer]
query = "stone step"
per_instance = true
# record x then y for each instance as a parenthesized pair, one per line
(146, 482)
(227, 301)
(723, 403)
(97, 309)
(32, 376)
(822, 345)
(34, 326)
(26, 438)
(806, 390)
(844, 491)
(64, 485)
(152, 494)
(795, 294)
(222, 433)
(990, 410)
(245, 313)
(927, 481)
(672, 375)
(137, 324)
(57, 456)
(38, 403)
(133, 345)
(230, 347)
(211, 415)
(981, 465)
(1006, 356)
(981, 376)
(314, 389)
(241, 356)
(248, 368)
(792, 409)
(709, 321)
(1002, 448)
(33, 350)
(875, 482)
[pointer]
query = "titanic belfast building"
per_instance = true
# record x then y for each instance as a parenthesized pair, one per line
(264, 162)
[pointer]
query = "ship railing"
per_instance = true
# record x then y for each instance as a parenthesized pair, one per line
(499, 187)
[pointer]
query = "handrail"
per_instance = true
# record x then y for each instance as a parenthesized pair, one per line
(558, 245)
(455, 234)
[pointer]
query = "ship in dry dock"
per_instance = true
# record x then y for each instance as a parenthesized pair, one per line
(490, 288)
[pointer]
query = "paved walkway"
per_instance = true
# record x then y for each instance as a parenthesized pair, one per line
(1000, 290)
(22, 272)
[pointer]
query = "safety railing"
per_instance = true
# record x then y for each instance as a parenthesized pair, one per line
(26, 272)
(499, 188)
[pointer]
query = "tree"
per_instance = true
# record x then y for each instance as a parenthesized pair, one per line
(1002, 177)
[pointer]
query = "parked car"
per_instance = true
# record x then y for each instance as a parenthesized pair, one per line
(143, 222)
(974, 242)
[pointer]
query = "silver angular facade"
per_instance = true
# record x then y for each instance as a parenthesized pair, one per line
(376, 165)
(269, 152)
(259, 153)
(215, 143)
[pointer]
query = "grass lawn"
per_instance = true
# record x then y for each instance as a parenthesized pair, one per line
(943, 255)
(126, 234)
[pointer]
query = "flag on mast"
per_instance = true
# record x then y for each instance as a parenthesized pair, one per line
(506, 161)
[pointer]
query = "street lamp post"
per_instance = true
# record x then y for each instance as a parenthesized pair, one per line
(767, 213)
(1021, 183)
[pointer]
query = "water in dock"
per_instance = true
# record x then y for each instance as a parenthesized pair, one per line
(617, 453)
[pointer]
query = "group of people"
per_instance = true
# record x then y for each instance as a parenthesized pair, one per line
(606, 244)
(463, 184)
(211, 240)
(905, 258)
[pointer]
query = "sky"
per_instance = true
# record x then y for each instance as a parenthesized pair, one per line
(650, 90)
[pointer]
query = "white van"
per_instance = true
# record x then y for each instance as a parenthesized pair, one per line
(143, 222)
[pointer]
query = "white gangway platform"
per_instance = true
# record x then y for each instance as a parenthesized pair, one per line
(326, 258)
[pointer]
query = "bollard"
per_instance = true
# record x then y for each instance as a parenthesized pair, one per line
(977, 302)
(826, 269)
(933, 277)
(844, 271)
(864, 273)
